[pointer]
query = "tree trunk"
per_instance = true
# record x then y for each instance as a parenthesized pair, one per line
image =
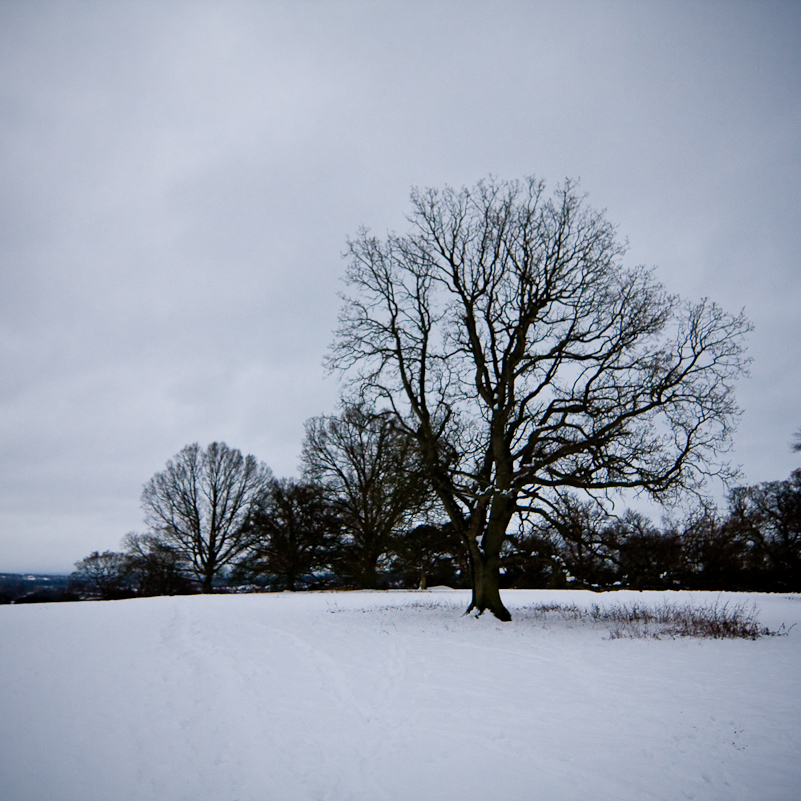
(486, 560)
(368, 569)
(369, 577)
(486, 588)
(209, 569)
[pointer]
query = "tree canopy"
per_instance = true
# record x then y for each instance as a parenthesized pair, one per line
(509, 340)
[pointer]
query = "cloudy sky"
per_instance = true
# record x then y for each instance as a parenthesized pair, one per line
(177, 182)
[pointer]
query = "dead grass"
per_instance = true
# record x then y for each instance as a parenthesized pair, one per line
(718, 620)
(631, 621)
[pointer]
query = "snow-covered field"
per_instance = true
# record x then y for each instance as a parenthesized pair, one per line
(374, 696)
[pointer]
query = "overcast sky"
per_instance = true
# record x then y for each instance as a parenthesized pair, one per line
(177, 182)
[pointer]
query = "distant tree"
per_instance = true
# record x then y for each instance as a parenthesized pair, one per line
(648, 559)
(714, 554)
(532, 559)
(370, 469)
(510, 342)
(155, 567)
(294, 530)
(581, 542)
(103, 575)
(427, 552)
(202, 504)
(769, 517)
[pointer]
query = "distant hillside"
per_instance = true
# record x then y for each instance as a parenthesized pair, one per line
(34, 588)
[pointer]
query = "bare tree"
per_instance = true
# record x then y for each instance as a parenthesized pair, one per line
(647, 558)
(428, 551)
(370, 468)
(202, 504)
(104, 575)
(509, 340)
(295, 530)
(769, 516)
(155, 567)
(577, 531)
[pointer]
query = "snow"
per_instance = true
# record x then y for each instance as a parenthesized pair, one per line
(373, 696)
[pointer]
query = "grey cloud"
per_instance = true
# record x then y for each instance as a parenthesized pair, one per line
(179, 179)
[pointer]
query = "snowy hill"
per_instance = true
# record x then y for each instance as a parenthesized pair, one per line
(371, 696)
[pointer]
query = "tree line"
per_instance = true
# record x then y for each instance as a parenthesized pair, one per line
(216, 516)
(361, 518)
(504, 377)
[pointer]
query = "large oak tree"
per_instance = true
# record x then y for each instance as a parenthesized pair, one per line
(508, 338)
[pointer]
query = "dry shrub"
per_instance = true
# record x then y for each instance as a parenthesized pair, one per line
(716, 621)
